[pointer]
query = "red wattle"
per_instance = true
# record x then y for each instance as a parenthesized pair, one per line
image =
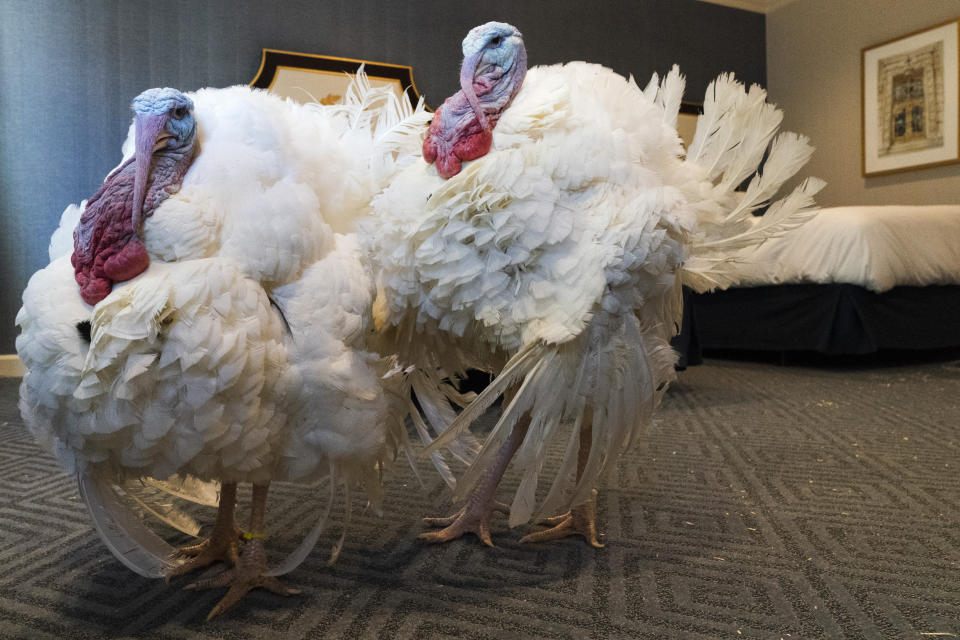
(129, 262)
(106, 248)
(448, 166)
(474, 146)
(429, 150)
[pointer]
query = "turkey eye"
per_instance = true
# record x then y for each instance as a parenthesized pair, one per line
(496, 41)
(179, 112)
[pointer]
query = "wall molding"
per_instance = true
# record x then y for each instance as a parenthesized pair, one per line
(10, 366)
(758, 6)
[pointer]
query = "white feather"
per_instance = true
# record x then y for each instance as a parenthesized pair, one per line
(240, 353)
(61, 242)
(296, 557)
(556, 260)
(189, 488)
(160, 507)
(133, 544)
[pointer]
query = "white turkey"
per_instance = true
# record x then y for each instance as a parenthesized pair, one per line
(209, 325)
(548, 244)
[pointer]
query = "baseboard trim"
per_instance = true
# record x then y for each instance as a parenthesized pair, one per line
(10, 366)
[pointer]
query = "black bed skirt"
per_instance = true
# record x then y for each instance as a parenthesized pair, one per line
(826, 318)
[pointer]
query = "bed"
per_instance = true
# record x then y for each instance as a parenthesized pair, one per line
(853, 280)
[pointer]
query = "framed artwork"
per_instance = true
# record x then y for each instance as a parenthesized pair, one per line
(910, 101)
(306, 77)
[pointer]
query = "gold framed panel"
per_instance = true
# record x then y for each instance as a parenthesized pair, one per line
(307, 77)
(910, 99)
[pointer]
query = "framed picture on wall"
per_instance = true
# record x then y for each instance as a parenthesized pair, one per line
(307, 77)
(911, 112)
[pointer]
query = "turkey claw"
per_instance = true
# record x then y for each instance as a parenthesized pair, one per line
(249, 573)
(469, 519)
(217, 548)
(581, 520)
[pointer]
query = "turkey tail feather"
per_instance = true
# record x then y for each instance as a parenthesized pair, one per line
(518, 366)
(160, 506)
(120, 528)
(298, 555)
(188, 488)
(605, 364)
(731, 144)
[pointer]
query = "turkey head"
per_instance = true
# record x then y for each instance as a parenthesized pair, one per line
(107, 247)
(494, 65)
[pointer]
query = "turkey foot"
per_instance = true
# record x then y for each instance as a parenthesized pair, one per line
(249, 573)
(581, 520)
(473, 517)
(251, 567)
(222, 545)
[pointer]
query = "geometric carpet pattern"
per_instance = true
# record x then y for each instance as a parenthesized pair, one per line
(764, 502)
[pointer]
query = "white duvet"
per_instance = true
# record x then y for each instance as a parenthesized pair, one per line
(876, 247)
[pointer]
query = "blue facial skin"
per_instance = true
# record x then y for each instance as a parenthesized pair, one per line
(180, 125)
(494, 52)
(493, 70)
(497, 40)
(165, 132)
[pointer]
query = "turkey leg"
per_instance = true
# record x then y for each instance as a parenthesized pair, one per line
(251, 568)
(224, 541)
(581, 519)
(475, 515)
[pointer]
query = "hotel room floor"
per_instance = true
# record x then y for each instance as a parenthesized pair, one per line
(765, 502)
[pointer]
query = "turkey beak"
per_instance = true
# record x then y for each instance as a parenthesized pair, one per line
(467, 72)
(147, 129)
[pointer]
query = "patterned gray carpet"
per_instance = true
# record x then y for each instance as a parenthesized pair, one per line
(766, 502)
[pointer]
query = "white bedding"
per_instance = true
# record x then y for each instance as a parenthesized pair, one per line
(876, 247)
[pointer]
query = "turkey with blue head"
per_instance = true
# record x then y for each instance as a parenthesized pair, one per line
(107, 243)
(494, 65)
(227, 341)
(555, 260)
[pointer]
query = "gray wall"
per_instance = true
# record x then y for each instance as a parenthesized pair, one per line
(813, 64)
(68, 71)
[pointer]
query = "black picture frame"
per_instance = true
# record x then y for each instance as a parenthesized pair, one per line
(272, 61)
